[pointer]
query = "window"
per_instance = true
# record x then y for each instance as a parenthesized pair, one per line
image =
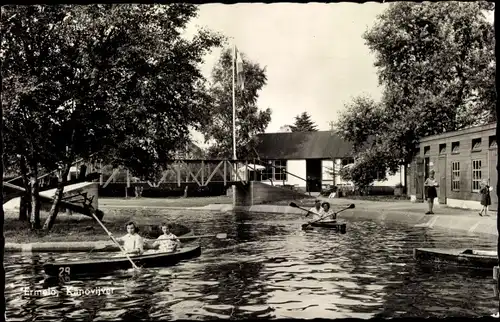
(476, 144)
(417, 152)
(267, 173)
(455, 176)
(275, 171)
(493, 141)
(381, 175)
(455, 147)
(476, 175)
(427, 150)
(347, 161)
(280, 170)
(442, 148)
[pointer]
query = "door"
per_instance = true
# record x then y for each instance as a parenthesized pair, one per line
(313, 174)
(493, 176)
(419, 178)
(442, 179)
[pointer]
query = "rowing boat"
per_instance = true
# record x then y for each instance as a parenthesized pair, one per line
(336, 226)
(74, 268)
(462, 257)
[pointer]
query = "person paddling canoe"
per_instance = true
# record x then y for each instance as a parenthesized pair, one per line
(132, 242)
(315, 211)
(167, 242)
(327, 212)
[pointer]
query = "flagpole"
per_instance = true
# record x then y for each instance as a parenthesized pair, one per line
(234, 126)
(234, 104)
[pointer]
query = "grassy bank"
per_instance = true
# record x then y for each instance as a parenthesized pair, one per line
(81, 228)
(164, 202)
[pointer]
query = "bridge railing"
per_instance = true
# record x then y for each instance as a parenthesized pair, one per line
(201, 172)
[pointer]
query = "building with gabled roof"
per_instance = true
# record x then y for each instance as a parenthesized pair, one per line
(293, 157)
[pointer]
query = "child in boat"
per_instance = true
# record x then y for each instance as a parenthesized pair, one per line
(485, 197)
(315, 210)
(132, 242)
(327, 212)
(167, 242)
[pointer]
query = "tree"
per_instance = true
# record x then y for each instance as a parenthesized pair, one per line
(437, 66)
(2, 215)
(285, 128)
(97, 82)
(250, 121)
(303, 123)
(361, 121)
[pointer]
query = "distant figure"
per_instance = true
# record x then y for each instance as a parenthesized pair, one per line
(431, 192)
(326, 211)
(485, 197)
(315, 211)
(167, 242)
(138, 191)
(132, 242)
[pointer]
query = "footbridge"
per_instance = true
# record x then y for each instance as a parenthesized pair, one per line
(243, 175)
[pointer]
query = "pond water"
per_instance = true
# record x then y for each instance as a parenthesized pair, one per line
(269, 268)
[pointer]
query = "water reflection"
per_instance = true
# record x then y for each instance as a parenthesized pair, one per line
(268, 269)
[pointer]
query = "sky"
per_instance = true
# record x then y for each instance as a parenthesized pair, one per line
(315, 57)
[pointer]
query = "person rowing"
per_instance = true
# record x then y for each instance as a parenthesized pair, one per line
(315, 211)
(132, 243)
(167, 242)
(327, 212)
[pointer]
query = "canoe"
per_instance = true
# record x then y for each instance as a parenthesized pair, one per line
(81, 246)
(150, 233)
(461, 257)
(86, 267)
(334, 225)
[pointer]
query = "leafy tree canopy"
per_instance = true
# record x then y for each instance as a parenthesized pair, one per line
(436, 64)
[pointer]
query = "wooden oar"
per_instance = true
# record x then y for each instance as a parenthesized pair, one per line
(114, 240)
(218, 236)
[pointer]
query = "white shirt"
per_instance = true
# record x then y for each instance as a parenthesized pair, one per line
(315, 213)
(167, 243)
(131, 242)
(328, 214)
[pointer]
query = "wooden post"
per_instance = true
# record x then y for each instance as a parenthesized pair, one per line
(254, 171)
(202, 173)
(178, 169)
(246, 171)
(225, 171)
(101, 177)
(128, 184)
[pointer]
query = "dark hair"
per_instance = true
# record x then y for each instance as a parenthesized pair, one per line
(169, 226)
(325, 203)
(136, 229)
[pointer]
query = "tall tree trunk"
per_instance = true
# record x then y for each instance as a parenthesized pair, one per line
(54, 209)
(35, 200)
(25, 200)
(2, 237)
(405, 178)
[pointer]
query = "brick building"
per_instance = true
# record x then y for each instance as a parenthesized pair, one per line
(460, 159)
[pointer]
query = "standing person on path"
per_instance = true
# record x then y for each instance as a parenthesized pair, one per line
(430, 191)
(485, 197)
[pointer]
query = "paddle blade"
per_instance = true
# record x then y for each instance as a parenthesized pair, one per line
(351, 206)
(221, 236)
(293, 204)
